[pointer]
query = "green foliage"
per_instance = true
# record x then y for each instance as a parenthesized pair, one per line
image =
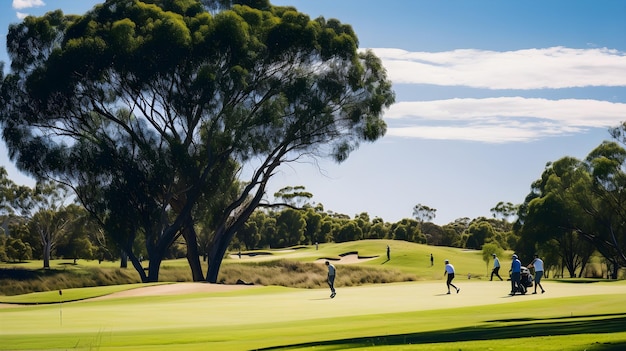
(489, 250)
(151, 135)
(423, 213)
(17, 250)
(3, 251)
(576, 208)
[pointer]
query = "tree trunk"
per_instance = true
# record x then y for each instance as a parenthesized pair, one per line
(140, 270)
(226, 231)
(223, 237)
(193, 258)
(154, 266)
(46, 255)
(123, 259)
(216, 253)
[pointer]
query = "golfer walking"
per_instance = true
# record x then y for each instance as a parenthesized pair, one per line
(331, 279)
(450, 272)
(496, 267)
(537, 263)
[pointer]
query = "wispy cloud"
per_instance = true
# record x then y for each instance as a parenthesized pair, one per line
(26, 4)
(576, 112)
(500, 120)
(504, 119)
(555, 67)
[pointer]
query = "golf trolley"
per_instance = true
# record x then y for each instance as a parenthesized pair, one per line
(526, 281)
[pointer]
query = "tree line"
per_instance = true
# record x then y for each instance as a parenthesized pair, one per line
(577, 208)
(564, 219)
(42, 223)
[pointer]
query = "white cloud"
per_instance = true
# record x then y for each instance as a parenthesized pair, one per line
(555, 67)
(25, 4)
(504, 119)
(495, 134)
(499, 120)
(21, 15)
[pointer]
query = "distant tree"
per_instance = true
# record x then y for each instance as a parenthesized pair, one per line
(3, 248)
(77, 241)
(449, 237)
(295, 196)
(327, 228)
(406, 229)
(17, 250)
(291, 227)
(51, 221)
(434, 234)
(269, 230)
(504, 210)
(478, 234)
(48, 226)
(363, 221)
(488, 250)
(349, 231)
(423, 213)
(249, 234)
(15, 199)
(313, 221)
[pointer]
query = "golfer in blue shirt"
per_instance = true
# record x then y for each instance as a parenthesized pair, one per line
(516, 275)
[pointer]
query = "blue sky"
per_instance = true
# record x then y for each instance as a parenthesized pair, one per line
(487, 93)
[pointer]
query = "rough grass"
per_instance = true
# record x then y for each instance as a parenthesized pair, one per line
(17, 281)
(308, 275)
(288, 273)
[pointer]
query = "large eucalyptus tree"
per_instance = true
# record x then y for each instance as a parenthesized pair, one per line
(553, 218)
(148, 107)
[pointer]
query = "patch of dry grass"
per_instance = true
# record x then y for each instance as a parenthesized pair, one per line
(286, 273)
(308, 275)
(22, 281)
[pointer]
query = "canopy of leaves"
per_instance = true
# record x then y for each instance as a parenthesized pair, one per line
(147, 108)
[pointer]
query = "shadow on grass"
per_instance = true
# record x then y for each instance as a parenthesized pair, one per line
(556, 327)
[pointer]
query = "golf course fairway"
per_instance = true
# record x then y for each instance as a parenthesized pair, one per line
(399, 316)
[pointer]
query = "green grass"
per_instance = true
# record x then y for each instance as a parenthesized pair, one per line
(366, 317)
(409, 262)
(284, 318)
(58, 296)
(406, 257)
